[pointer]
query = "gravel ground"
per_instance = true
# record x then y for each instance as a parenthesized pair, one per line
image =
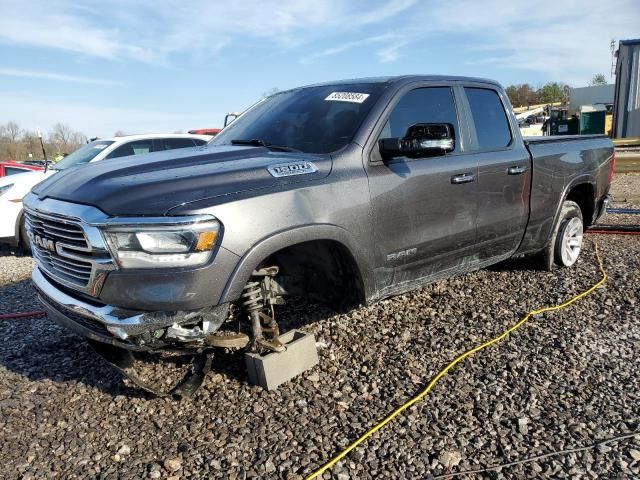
(626, 190)
(563, 381)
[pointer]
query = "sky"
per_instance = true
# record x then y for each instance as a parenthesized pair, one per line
(144, 66)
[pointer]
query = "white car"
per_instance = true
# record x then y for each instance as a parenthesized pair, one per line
(14, 187)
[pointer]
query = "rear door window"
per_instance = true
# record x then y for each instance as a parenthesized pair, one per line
(173, 143)
(489, 117)
(132, 148)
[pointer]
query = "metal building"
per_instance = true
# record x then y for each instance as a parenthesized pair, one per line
(626, 106)
(595, 95)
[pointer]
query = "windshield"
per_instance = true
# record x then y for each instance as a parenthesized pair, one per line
(82, 155)
(319, 119)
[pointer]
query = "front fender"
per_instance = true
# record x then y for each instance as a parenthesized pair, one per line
(287, 238)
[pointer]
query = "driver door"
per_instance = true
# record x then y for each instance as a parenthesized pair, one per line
(424, 209)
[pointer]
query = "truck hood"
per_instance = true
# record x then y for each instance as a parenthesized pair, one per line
(154, 183)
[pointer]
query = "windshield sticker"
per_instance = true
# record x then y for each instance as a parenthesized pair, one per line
(100, 147)
(352, 97)
(291, 168)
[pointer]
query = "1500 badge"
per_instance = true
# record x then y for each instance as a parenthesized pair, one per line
(292, 168)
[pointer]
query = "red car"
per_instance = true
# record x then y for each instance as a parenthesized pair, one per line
(206, 131)
(11, 168)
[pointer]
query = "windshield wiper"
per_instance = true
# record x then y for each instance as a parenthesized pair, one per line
(261, 143)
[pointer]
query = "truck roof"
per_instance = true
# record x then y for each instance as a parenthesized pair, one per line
(151, 136)
(406, 78)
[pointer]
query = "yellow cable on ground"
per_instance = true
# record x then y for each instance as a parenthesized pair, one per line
(457, 360)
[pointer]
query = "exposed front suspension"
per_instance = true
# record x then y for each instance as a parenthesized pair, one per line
(259, 296)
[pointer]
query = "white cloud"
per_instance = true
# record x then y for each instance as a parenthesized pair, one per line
(567, 40)
(391, 53)
(150, 32)
(343, 47)
(57, 25)
(12, 72)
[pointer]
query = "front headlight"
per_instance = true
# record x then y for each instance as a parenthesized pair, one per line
(149, 246)
(5, 188)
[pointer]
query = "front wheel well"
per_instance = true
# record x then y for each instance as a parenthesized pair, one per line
(584, 195)
(22, 240)
(323, 270)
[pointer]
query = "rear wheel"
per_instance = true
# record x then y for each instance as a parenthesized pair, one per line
(566, 242)
(569, 242)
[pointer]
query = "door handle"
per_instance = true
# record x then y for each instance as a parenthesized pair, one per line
(516, 170)
(463, 178)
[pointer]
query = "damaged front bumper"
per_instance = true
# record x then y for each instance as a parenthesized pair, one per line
(133, 330)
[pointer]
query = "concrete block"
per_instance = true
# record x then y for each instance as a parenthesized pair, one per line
(275, 368)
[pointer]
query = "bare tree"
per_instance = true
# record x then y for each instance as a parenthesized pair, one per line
(120, 133)
(65, 139)
(9, 138)
(13, 131)
(31, 141)
(77, 139)
(17, 144)
(60, 135)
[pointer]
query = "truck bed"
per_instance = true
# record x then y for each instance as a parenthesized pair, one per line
(556, 168)
(559, 138)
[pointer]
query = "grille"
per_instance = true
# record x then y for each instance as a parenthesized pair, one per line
(60, 247)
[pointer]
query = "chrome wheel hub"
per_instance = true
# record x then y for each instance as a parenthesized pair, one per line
(571, 241)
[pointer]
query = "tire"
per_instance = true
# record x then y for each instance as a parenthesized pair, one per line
(566, 242)
(25, 243)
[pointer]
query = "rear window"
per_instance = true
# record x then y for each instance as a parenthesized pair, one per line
(489, 118)
(14, 170)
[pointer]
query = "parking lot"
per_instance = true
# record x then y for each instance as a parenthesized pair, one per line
(564, 381)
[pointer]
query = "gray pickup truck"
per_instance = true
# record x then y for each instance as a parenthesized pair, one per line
(347, 192)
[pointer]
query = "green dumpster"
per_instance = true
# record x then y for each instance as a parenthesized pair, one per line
(592, 122)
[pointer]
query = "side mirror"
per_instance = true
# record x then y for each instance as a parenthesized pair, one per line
(421, 140)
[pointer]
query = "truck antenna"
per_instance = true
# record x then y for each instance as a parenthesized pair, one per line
(613, 56)
(44, 153)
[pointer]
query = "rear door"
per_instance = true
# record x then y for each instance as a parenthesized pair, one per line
(424, 220)
(504, 172)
